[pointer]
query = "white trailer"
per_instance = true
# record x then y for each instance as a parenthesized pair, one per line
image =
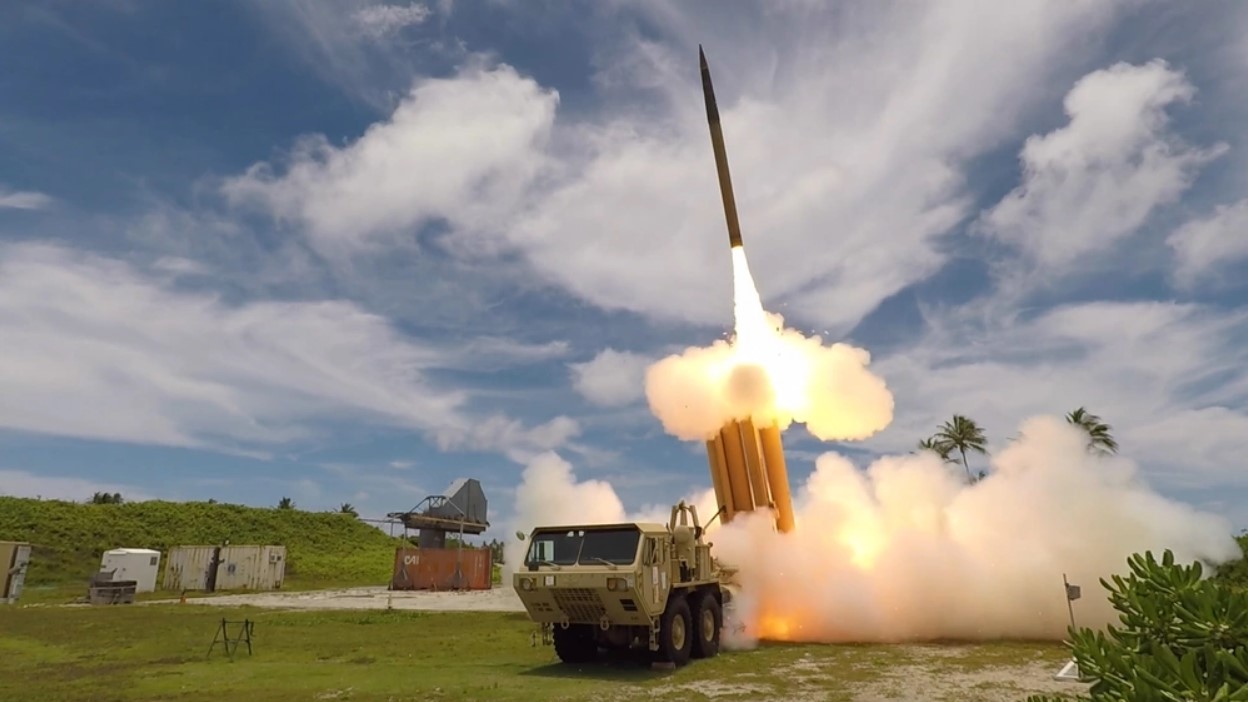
(138, 564)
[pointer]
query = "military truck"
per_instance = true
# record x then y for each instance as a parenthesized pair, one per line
(634, 585)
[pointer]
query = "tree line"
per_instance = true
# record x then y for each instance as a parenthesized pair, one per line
(964, 435)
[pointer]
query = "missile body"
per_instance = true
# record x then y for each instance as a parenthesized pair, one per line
(747, 463)
(721, 156)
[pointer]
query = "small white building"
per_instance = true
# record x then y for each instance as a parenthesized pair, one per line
(138, 564)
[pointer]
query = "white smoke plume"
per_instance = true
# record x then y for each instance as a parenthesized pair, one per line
(770, 374)
(906, 551)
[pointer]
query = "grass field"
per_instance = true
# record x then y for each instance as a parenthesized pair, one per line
(159, 652)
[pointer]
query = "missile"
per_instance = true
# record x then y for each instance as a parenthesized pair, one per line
(721, 156)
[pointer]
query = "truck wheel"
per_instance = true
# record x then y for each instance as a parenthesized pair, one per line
(708, 621)
(676, 632)
(575, 644)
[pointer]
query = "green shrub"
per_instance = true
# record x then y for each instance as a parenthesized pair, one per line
(1182, 637)
(1236, 572)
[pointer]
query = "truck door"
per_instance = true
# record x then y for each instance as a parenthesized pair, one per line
(656, 564)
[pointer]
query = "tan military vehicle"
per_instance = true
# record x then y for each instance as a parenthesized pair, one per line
(622, 586)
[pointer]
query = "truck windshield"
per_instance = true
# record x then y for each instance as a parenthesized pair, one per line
(584, 547)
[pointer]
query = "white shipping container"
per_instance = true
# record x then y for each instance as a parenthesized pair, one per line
(138, 564)
(190, 567)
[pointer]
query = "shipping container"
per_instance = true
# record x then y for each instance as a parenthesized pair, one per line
(251, 568)
(442, 569)
(14, 560)
(219, 568)
(191, 568)
(138, 564)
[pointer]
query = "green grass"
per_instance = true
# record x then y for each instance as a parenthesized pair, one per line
(322, 548)
(159, 652)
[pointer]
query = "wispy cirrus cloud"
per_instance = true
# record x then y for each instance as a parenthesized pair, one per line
(94, 348)
(24, 199)
(381, 21)
(1209, 249)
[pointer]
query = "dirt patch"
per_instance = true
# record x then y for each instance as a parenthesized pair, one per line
(498, 599)
(913, 673)
(930, 676)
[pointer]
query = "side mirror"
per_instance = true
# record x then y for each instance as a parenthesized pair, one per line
(520, 535)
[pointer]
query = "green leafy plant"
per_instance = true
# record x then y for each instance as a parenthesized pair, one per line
(1181, 637)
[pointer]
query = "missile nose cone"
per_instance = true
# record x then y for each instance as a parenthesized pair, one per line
(708, 91)
(721, 157)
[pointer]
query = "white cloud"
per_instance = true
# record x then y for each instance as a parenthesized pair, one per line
(23, 200)
(1204, 247)
(93, 349)
(1093, 182)
(846, 146)
(20, 483)
(1169, 378)
(612, 378)
(380, 21)
(509, 436)
(461, 150)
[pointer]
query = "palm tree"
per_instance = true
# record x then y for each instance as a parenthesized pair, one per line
(964, 435)
(347, 508)
(1099, 437)
(940, 448)
(286, 503)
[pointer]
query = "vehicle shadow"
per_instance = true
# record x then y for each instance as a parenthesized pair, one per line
(618, 666)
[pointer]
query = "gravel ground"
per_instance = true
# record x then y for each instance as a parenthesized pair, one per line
(499, 599)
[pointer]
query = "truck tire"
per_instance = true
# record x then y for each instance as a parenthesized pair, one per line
(676, 632)
(708, 621)
(576, 644)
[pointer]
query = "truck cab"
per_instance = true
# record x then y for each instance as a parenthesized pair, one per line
(621, 586)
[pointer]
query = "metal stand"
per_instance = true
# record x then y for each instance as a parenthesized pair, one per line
(231, 644)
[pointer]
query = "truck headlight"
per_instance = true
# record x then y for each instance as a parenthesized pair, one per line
(617, 584)
(526, 583)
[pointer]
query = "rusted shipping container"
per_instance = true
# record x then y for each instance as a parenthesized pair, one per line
(190, 568)
(442, 569)
(251, 568)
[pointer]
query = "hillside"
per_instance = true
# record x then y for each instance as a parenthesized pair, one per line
(69, 538)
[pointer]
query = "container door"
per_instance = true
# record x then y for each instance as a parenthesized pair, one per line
(19, 577)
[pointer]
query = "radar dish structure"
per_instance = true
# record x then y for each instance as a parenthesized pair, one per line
(461, 509)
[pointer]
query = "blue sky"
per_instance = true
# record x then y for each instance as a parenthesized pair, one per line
(349, 251)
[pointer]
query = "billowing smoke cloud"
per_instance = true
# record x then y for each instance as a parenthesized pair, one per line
(906, 551)
(770, 374)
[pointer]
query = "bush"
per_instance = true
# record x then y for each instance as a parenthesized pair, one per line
(1236, 572)
(1182, 637)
